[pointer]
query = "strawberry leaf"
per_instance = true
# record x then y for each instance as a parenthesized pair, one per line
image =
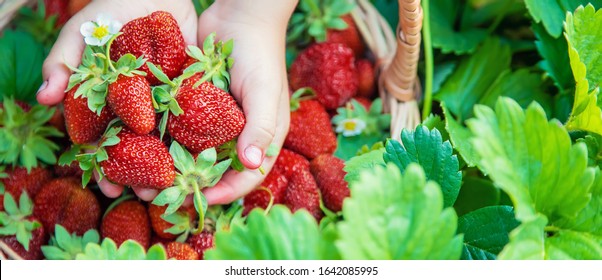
(526, 241)
(552, 13)
(443, 16)
(279, 235)
(460, 138)
(547, 176)
(486, 231)
(427, 149)
(65, 246)
(475, 194)
(389, 213)
(129, 250)
(355, 165)
(555, 54)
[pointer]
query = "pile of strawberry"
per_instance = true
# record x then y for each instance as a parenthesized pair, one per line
(331, 69)
(142, 110)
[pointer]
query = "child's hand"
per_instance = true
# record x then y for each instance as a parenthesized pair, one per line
(259, 83)
(70, 45)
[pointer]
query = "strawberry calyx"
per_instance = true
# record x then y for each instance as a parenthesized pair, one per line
(89, 156)
(14, 220)
(304, 93)
(213, 61)
(65, 246)
(25, 135)
(314, 18)
(192, 176)
(3, 175)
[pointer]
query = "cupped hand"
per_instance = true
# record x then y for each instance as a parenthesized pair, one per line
(259, 84)
(70, 45)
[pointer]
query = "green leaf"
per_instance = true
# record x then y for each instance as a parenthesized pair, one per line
(486, 231)
(555, 54)
(460, 138)
(355, 165)
(526, 241)
(583, 33)
(435, 156)
(443, 17)
(390, 216)
(571, 245)
(279, 235)
(551, 12)
(476, 193)
(589, 218)
(156, 252)
(473, 77)
(20, 71)
(348, 147)
(532, 160)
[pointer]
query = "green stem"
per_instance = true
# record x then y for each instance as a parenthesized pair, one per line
(198, 201)
(428, 55)
(108, 53)
(314, 8)
(499, 17)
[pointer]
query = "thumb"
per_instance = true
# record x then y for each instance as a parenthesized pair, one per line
(67, 49)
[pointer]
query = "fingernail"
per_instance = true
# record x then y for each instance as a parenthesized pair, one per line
(42, 87)
(254, 155)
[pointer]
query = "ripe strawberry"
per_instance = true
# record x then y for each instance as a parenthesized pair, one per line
(276, 182)
(76, 5)
(71, 170)
(139, 161)
(127, 220)
(131, 99)
(83, 125)
(58, 120)
(330, 177)
(329, 69)
(367, 85)
(160, 225)
(303, 193)
(349, 36)
(38, 239)
(211, 118)
(63, 201)
(310, 132)
(58, 8)
(20, 231)
(202, 242)
(181, 251)
(289, 162)
(19, 180)
(157, 37)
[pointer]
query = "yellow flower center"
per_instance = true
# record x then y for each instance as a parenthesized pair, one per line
(349, 125)
(100, 31)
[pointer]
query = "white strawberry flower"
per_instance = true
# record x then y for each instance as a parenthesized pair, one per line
(98, 33)
(351, 127)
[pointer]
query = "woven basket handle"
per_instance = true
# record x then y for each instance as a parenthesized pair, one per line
(399, 78)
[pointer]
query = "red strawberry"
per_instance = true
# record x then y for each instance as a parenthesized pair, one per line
(367, 85)
(202, 242)
(159, 225)
(58, 8)
(181, 251)
(276, 182)
(139, 161)
(329, 69)
(310, 132)
(330, 177)
(71, 170)
(76, 6)
(303, 193)
(128, 220)
(58, 120)
(19, 180)
(157, 37)
(211, 118)
(63, 201)
(367, 103)
(349, 36)
(83, 125)
(36, 242)
(289, 162)
(131, 99)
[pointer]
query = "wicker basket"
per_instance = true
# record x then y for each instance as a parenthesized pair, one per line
(397, 57)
